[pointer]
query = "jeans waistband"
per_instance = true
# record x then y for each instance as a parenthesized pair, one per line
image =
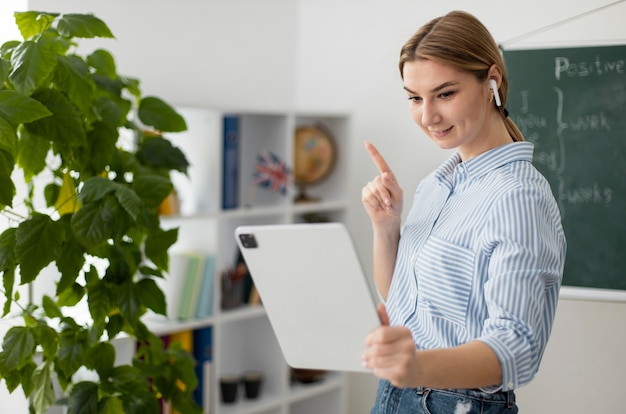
(505, 396)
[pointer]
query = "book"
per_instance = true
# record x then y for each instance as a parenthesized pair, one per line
(203, 353)
(230, 162)
(191, 286)
(172, 284)
(204, 305)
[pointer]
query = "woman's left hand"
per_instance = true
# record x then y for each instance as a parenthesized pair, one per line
(390, 353)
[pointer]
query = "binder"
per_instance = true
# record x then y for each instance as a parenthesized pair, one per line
(230, 163)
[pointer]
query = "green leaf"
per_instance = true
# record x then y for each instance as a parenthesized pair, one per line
(157, 245)
(69, 263)
(129, 300)
(7, 187)
(73, 348)
(7, 48)
(100, 300)
(103, 62)
(95, 189)
(129, 200)
(51, 193)
(83, 25)
(8, 280)
(132, 85)
(7, 266)
(150, 271)
(18, 347)
(7, 246)
(83, 398)
(65, 127)
(144, 402)
(113, 110)
(71, 296)
(32, 65)
(50, 308)
(160, 153)
(123, 258)
(32, 23)
(152, 296)
(31, 155)
(122, 223)
(158, 114)
(102, 139)
(5, 69)
(38, 242)
(127, 377)
(11, 378)
(8, 137)
(43, 396)
(111, 405)
(91, 225)
(102, 358)
(26, 377)
(152, 189)
(19, 109)
(48, 338)
(115, 325)
(72, 77)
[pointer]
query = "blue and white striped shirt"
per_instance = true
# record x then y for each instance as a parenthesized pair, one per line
(481, 257)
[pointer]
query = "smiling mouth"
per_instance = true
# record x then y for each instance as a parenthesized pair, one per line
(441, 131)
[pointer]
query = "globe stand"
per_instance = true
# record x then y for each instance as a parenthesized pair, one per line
(302, 197)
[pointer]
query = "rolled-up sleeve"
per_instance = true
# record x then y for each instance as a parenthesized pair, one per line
(527, 249)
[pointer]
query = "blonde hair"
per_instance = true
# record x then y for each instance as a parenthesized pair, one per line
(460, 40)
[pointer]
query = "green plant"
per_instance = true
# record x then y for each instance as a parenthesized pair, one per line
(61, 118)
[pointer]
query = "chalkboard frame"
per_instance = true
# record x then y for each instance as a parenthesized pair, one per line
(522, 81)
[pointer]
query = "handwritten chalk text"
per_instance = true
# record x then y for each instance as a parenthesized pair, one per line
(564, 67)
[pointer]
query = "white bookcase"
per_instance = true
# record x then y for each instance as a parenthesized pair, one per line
(242, 337)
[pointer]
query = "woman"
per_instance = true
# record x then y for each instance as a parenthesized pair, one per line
(470, 282)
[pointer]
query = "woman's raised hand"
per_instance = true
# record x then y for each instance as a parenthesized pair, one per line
(381, 197)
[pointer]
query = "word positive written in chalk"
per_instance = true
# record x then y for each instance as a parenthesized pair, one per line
(563, 67)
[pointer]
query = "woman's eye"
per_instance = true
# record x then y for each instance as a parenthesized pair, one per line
(415, 99)
(446, 94)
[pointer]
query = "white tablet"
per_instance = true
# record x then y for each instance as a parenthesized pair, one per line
(314, 291)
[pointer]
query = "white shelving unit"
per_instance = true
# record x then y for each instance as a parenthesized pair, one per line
(243, 338)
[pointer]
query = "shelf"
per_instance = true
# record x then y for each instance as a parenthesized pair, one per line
(244, 406)
(271, 211)
(332, 381)
(242, 338)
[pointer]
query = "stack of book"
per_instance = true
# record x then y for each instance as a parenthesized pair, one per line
(188, 288)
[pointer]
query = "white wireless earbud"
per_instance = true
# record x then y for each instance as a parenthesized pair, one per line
(496, 95)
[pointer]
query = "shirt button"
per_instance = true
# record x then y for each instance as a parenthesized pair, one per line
(510, 385)
(461, 169)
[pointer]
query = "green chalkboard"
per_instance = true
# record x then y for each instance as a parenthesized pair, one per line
(571, 103)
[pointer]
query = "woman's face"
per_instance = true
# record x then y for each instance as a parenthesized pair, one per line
(452, 107)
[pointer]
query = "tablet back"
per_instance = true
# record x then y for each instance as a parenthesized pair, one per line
(314, 291)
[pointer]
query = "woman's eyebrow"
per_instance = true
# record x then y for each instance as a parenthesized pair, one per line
(435, 89)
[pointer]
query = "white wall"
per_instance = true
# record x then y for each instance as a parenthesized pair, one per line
(341, 55)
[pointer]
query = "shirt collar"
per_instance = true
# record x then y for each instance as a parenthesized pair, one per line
(487, 161)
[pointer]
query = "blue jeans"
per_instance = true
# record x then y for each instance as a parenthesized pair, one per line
(392, 400)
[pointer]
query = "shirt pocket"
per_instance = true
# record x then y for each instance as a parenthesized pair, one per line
(444, 272)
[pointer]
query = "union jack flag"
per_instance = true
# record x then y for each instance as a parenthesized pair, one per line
(271, 172)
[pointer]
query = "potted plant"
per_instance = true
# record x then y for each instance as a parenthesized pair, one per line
(61, 118)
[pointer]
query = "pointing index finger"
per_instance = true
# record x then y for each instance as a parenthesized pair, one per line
(378, 159)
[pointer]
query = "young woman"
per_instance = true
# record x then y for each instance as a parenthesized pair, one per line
(470, 281)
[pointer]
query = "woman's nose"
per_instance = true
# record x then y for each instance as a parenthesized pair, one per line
(430, 114)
